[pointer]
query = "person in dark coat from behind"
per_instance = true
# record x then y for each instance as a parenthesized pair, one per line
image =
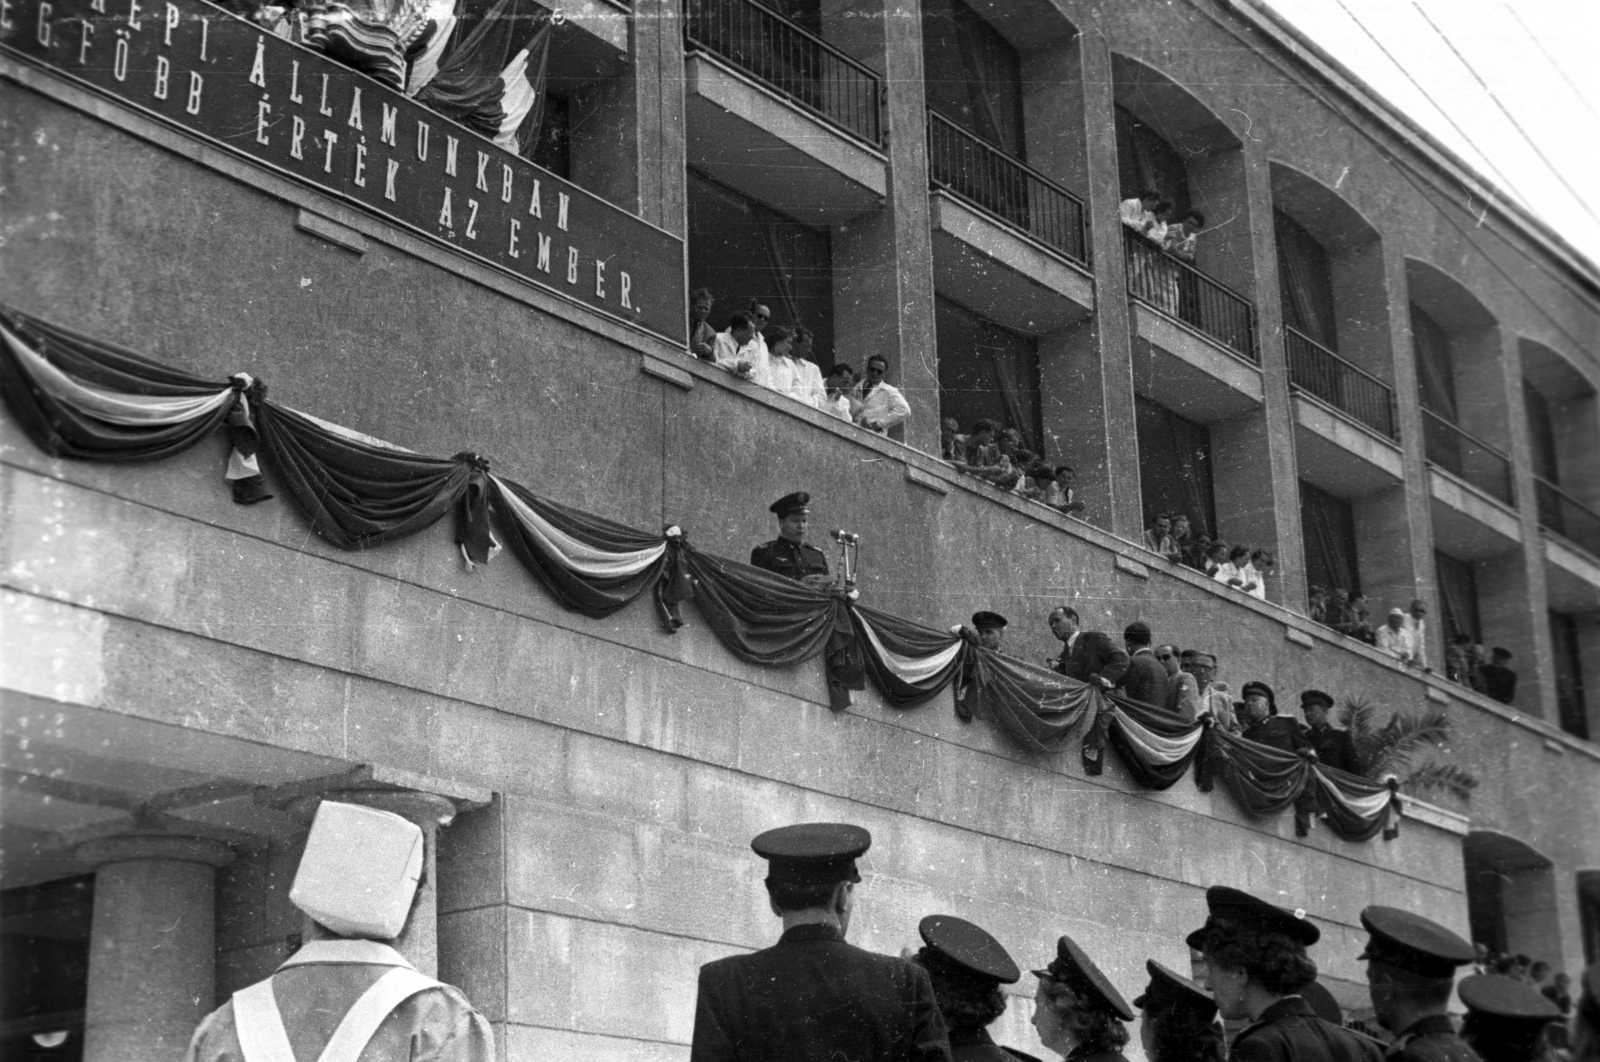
(1257, 963)
(1411, 971)
(1077, 1011)
(1506, 1018)
(1180, 1019)
(1146, 677)
(967, 967)
(811, 996)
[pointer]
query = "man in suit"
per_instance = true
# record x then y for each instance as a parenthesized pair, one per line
(1411, 970)
(1087, 656)
(788, 554)
(1335, 747)
(1146, 677)
(811, 995)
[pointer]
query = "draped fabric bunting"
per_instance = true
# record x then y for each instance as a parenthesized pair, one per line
(77, 397)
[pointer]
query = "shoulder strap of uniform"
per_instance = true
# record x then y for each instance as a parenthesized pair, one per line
(376, 1004)
(262, 1037)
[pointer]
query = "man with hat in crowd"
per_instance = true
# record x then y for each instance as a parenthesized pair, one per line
(1078, 1012)
(346, 996)
(1256, 966)
(967, 967)
(812, 996)
(1506, 1018)
(788, 554)
(1334, 747)
(987, 631)
(1262, 723)
(1411, 969)
(1180, 1019)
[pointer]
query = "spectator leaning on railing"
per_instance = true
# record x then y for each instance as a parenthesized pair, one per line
(702, 337)
(1183, 689)
(739, 351)
(841, 378)
(809, 386)
(1145, 680)
(1394, 638)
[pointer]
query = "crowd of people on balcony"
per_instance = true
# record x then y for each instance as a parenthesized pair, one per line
(783, 359)
(996, 455)
(1156, 279)
(1244, 568)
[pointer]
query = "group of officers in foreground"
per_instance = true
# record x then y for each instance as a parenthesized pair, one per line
(347, 996)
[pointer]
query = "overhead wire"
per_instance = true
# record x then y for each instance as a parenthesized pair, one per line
(1537, 43)
(1505, 111)
(1398, 65)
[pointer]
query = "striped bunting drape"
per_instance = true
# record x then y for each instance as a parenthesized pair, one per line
(81, 398)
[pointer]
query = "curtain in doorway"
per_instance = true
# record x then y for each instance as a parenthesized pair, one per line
(1306, 281)
(1458, 594)
(1436, 385)
(1329, 540)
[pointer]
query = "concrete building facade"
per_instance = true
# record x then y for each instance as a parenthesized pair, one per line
(183, 676)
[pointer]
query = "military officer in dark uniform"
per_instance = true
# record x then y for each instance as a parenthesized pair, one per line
(1334, 747)
(1506, 1018)
(967, 967)
(991, 628)
(1077, 1010)
(811, 996)
(1411, 970)
(788, 554)
(1180, 1019)
(1257, 963)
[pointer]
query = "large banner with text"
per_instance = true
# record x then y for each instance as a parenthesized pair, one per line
(230, 83)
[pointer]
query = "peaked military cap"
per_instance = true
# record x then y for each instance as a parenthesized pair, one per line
(813, 853)
(1265, 691)
(1078, 972)
(1197, 939)
(1248, 912)
(986, 621)
(1310, 697)
(1498, 996)
(790, 503)
(969, 947)
(1412, 943)
(1169, 987)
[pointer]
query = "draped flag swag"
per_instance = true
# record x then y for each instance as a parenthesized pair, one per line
(81, 398)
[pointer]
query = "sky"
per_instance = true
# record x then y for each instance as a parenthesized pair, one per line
(1512, 86)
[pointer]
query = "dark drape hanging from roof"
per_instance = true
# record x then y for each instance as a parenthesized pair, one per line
(1330, 540)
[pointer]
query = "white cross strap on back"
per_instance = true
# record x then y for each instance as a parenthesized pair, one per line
(262, 1037)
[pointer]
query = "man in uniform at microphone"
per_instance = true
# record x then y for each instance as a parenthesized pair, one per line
(788, 554)
(346, 996)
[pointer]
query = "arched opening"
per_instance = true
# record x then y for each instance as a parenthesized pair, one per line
(1167, 140)
(1511, 897)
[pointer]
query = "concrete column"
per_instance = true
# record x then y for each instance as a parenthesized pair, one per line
(1086, 375)
(1406, 559)
(1524, 604)
(1274, 518)
(152, 945)
(419, 943)
(883, 261)
(660, 107)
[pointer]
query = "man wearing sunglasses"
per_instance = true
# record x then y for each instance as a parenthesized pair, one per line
(882, 406)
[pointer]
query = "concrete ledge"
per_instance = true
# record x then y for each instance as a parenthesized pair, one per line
(923, 479)
(1183, 370)
(1340, 455)
(1437, 696)
(1132, 567)
(1299, 637)
(1494, 526)
(335, 233)
(1432, 814)
(1011, 278)
(651, 365)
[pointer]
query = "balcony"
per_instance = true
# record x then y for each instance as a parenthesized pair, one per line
(983, 176)
(1184, 294)
(1319, 372)
(1562, 514)
(800, 66)
(1466, 457)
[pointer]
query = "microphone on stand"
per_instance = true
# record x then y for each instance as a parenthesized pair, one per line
(845, 537)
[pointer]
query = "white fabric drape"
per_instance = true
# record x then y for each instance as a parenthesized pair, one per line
(572, 554)
(911, 669)
(137, 411)
(1155, 748)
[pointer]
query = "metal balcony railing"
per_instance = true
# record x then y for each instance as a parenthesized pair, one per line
(1182, 292)
(1463, 455)
(792, 60)
(1562, 514)
(1345, 386)
(986, 177)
